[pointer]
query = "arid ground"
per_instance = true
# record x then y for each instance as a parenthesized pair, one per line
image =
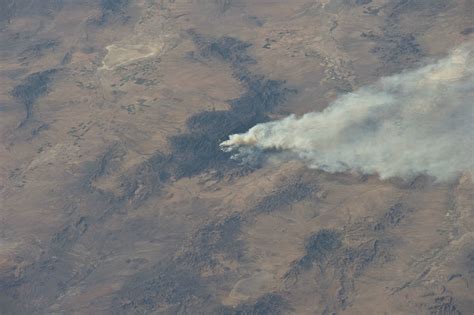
(115, 197)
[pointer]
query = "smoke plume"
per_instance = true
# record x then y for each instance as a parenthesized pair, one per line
(415, 122)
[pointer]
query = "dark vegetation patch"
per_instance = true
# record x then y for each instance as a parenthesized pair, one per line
(146, 179)
(443, 305)
(70, 233)
(420, 182)
(319, 246)
(10, 9)
(354, 260)
(198, 150)
(416, 183)
(135, 186)
(432, 7)
(67, 58)
(396, 50)
(39, 49)
(362, 2)
(335, 262)
(112, 9)
(467, 31)
(372, 10)
(215, 238)
(165, 285)
(162, 284)
(291, 192)
(107, 162)
(215, 124)
(194, 153)
(468, 260)
(270, 303)
(104, 165)
(325, 249)
(113, 6)
(229, 49)
(32, 88)
(392, 217)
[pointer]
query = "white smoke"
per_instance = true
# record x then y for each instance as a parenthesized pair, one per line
(416, 122)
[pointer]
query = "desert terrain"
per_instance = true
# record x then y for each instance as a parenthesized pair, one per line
(115, 197)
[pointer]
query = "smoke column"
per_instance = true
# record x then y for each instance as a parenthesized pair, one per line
(415, 122)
